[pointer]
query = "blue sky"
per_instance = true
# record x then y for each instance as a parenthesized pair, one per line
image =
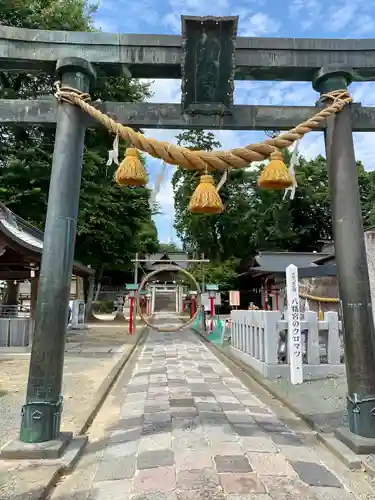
(265, 18)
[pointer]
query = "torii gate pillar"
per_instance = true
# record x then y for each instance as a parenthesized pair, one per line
(41, 415)
(352, 269)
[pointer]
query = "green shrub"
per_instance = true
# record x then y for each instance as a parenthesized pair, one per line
(103, 306)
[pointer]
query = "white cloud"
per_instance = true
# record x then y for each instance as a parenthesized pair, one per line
(307, 12)
(259, 24)
(339, 17)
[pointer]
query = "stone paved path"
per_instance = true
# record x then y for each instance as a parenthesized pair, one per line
(189, 430)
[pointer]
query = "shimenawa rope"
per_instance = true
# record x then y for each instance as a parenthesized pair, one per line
(203, 160)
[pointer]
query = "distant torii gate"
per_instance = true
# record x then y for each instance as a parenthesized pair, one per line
(207, 103)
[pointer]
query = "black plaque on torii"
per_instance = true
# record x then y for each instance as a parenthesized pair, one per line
(208, 64)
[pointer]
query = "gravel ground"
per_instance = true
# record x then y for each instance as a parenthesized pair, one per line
(322, 400)
(89, 358)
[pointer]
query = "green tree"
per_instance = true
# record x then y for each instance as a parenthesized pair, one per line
(215, 236)
(169, 247)
(114, 222)
(255, 219)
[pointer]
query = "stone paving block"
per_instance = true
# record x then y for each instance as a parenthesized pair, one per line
(239, 417)
(153, 399)
(226, 399)
(287, 488)
(244, 483)
(182, 403)
(134, 409)
(198, 386)
(193, 459)
(232, 463)
(221, 434)
(159, 479)
(175, 394)
(201, 394)
(192, 424)
(270, 464)
(112, 451)
(232, 406)
(299, 453)
(176, 382)
(205, 399)
(248, 430)
(202, 494)
(315, 474)
(197, 479)
(274, 428)
(226, 448)
(184, 412)
(121, 436)
(219, 393)
(158, 371)
(157, 417)
(157, 407)
(161, 393)
(111, 490)
(213, 418)
(155, 458)
(120, 468)
(323, 493)
(286, 439)
(191, 442)
(208, 407)
(261, 496)
(136, 397)
(150, 429)
(251, 401)
(133, 389)
(154, 495)
(261, 444)
(125, 424)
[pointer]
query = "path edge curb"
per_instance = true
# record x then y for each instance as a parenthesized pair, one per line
(80, 440)
(339, 449)
(107, 385)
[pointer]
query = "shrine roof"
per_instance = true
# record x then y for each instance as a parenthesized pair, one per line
(268, 264)
(176, 258)
(277, 262)
(25, 236)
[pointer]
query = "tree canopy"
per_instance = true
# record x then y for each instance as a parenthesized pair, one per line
(113, 222)
(256, 219)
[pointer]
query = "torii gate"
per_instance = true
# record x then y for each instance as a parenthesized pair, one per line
(329, 64)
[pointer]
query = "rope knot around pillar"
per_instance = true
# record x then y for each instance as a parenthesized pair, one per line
(64, 93)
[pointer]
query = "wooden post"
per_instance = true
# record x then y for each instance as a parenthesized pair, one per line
(33, 295)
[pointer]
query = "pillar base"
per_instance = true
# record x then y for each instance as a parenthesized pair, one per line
(360, 445)
(119, 316)
(18, 450)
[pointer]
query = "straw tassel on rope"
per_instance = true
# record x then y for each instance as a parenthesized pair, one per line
(201, 160)
(206, 199)
(275, 175)
(131, 171)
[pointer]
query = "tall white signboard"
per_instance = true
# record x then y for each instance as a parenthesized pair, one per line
(294, 325)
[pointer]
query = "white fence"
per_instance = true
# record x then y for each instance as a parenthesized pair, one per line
(15, 332)
(259, 339)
